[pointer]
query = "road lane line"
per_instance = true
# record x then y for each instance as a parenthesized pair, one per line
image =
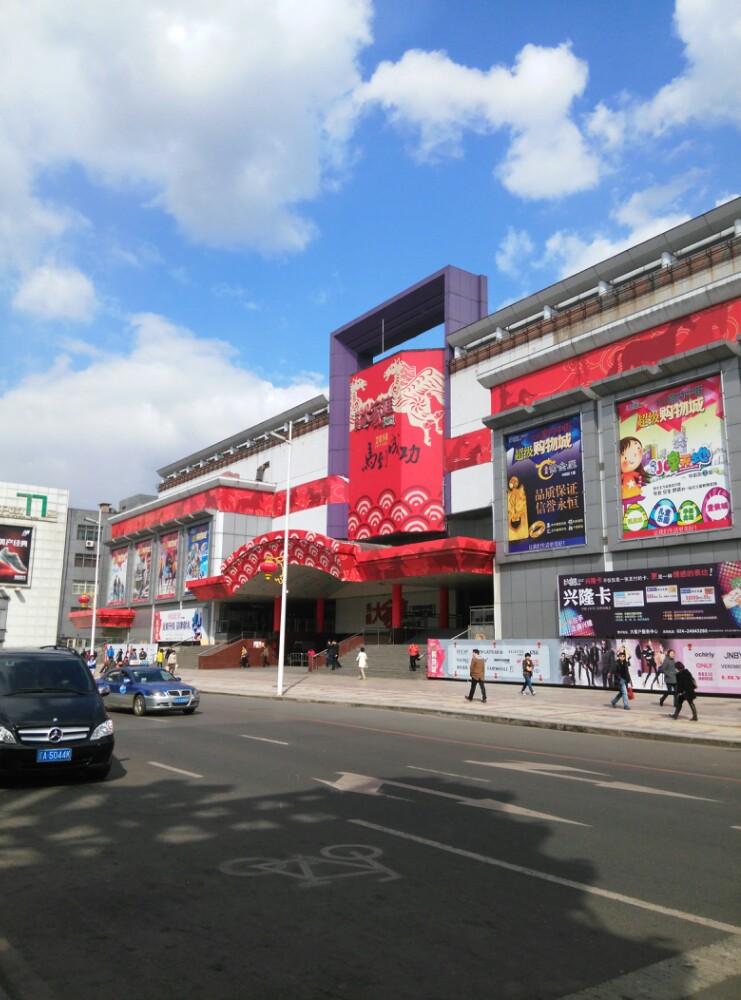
(367, 785)
(591, 890)
(446, 774)
(177, 770)
(526, 750)
(263, 739)
(685, 975)
(559, 771)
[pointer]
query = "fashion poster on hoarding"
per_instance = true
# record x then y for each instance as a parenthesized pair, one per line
(396, 446)
(142, 571)
(168, 565)
(691, 601)
(450, 659)
(545, 487)
(196, 555)
(117, 576)
(714, 663)
(673, 467)
(16, 545)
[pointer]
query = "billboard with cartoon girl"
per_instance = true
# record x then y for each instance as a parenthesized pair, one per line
(674, 473)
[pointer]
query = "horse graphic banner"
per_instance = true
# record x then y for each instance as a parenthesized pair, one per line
(396, 446)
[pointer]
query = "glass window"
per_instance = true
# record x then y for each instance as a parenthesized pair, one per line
(87, 532)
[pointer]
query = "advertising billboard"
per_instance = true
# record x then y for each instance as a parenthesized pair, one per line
(182, 625)
(141, 588)
(168, 565)
(673, 465)
(545, 487)
(16, 544)
(196, 552)
(450, 659)
(396, 446)
(117, 576)
(691, 601)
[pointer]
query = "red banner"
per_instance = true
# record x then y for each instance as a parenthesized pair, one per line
(396, 446)
(648, 348)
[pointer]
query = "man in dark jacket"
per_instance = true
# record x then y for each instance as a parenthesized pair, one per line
(685, 691)
(621, 675)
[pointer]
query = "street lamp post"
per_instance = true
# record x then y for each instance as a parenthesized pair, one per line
(103, 508)
(284, 583)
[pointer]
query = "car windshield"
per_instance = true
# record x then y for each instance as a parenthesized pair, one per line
(152, 675)
(30, 673)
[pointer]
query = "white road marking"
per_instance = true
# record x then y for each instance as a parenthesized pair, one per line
(591, 890)
(560, 771)
(366, 785)
(684, 975)
(262, 739)
(177, 770)
(445, 774)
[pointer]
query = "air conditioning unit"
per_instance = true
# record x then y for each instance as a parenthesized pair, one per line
(89, 544)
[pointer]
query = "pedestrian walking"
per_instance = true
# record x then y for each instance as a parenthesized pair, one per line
(265, 655)
(621, 675)
(527, 674)
(243, 657)
(686, 687)
(413, 655)
(477, 673)
(172, 661)
(362, 659)
(332, 654)
(669, 670)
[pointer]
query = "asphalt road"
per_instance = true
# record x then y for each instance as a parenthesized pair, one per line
(277, 850)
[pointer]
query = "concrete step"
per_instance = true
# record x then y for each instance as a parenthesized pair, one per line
(386, 661)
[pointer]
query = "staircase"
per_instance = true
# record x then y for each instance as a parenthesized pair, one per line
(387, 661)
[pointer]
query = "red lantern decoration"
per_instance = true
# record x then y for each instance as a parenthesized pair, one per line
(268, 567)
(84, 600)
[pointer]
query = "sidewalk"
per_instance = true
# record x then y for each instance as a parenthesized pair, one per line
(570, 709)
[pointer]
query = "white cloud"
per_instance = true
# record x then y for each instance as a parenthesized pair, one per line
(216, 113)
(121, 416)
(51, 293)
(514, 251)
(643, 215)
(434, 101)
(708, 90)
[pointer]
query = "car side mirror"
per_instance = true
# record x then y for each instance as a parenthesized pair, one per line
(103, 691)
(177, 678)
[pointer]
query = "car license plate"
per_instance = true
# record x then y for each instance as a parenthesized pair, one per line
(49, 756)
(180, 701)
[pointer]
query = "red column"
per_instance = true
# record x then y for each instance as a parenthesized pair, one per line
(320, 614)
(397, 605)
(443, 619)
(276, 614)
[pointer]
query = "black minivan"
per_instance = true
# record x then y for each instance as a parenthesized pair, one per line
(52, 717)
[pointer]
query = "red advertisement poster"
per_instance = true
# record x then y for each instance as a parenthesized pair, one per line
(168, 565)
(396, 446)
(15, 554)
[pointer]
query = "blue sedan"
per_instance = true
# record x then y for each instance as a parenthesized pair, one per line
(148, 689)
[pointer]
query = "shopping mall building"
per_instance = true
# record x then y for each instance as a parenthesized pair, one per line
(557, 472)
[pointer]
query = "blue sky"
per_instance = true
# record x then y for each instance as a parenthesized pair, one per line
(194, 195)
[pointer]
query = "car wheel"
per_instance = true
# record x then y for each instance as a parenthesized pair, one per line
(98, 773)
(140, 706)
(189, 711)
